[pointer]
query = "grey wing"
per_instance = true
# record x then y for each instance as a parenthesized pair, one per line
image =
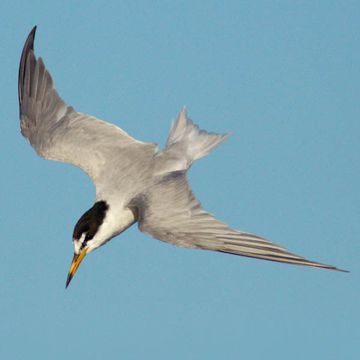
(171, 213)
(57, 132)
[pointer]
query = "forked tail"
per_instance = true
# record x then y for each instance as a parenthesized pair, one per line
(187, 142)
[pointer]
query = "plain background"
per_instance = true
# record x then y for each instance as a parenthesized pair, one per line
(284, 77)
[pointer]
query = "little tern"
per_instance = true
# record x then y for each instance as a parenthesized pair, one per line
(135, 182)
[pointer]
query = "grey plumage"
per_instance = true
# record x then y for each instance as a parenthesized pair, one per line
(130, 174)
(177, 217)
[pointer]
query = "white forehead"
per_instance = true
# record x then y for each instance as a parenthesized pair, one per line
(77, 243)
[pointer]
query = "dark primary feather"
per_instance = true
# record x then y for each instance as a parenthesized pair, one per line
(29, 46)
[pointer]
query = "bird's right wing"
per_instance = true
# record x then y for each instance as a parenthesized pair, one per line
(171, 213)
(57, 132)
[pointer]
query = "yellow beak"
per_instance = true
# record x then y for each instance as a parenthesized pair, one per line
(77, 259)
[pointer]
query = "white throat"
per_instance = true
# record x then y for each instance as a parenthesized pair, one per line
(116, 221)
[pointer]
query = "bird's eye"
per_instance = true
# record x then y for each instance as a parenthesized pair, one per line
(87, 237)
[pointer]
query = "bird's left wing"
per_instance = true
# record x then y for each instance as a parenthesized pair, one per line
(170, 212)
(57, 132)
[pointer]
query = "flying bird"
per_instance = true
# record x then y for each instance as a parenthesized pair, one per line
(135, 181)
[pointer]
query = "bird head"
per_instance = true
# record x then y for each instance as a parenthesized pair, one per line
(86, 236)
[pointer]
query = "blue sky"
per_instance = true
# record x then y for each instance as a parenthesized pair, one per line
(284, 78)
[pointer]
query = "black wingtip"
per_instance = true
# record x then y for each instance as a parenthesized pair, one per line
(28, 46)
(328, 267)
(32, 33)
(29, 43)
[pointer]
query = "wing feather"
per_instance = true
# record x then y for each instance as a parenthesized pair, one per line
(170, 212)
(57, 132)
